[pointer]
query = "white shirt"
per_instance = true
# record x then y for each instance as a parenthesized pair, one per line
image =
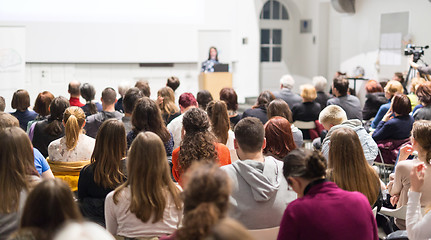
(231, 146)
(57, 149)
(175, 127)
(418, 227)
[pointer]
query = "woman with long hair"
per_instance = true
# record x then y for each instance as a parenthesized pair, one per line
(166, 102)
(105, 172)
(348, 167)
(229, 96)
(206, 200)
(148, 204)
(208, 65)
(260, 108)
(146, 116)
(198, 144)
(17, 176)
(279, 138)
(220, 124)
(88, 92)
(391, 89)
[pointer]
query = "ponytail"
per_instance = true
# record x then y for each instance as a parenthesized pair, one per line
(198, 222)
(57, 107)
(92, 108)
(74, 119)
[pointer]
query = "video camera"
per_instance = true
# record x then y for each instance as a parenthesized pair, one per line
(416, 51)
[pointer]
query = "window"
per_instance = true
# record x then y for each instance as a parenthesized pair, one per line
(273, 9)
(270, 45)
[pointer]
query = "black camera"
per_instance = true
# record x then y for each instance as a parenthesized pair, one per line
(416, 51)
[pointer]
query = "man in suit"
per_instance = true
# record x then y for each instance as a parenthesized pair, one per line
(286, 84)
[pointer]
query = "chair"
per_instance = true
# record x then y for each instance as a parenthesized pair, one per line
(265, 234)
(399, 213)
(308, 143)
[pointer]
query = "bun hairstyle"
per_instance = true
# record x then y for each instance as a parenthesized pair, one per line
(421, 132)
(304, 163)
(74, 119)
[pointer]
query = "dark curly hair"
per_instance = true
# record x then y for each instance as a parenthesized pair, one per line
(198, 141)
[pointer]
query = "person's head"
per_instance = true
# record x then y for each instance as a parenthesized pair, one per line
(302, 166)
(144, 87)
(110, 148)
(73, 89)
(348, 167)
(279, 107)
(229, 96)
(57, 108)
(219, 118)
(173, 82)
(83, 231)
(424, 93)
(340, 87)
(41, 105)
(88, 92)
(51, 194)
(129, 100)
(372, 86)
(149, 179)
(279, 138)
(167, 105)
(123, 87)
(109, 96)
(398, 77)
(2, 104)
(308, 93)
(249, 136)
(392, 88)
(74, 121)
(264, 99)
(332, 115)
(401, 104)
(415, 84)
(20, 100)
(421, 138)
(7, 120)
(186, 101)
(16, 163)
(204, 97)
(206, 200)
(146, 116)
(320, 83)
(229, 229)
(213, 54)
(287, 81)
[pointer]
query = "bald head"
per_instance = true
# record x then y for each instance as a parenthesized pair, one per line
(74, 89)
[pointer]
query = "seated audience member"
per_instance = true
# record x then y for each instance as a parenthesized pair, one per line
(280, 108)
(424, 96)
(41, 107)
(399, 77)
(412, 95)
(323, 210)
(74, 146)
(21, 102)
(129, 100)
(220, 125)
(400, 181)
(144, 87)
(148, 204)
(187, 101)
(348, 167)
(286, 85)
(198, 144)
(2, 104)
(375, 98)
(146, 116)
(88, 92)
(322, 98)
(166, 102)
(173, 82)
(122, 89)
(203, 97)
(333, 118)
(83, 231)
(259, 109)
(308, 110)
(258, 187)
(229, 229)
(17, 176)
(108, 104)
(349, 103)
(75, 93)
(229, 96)
(391, 88)
(206, 201)
(398, 127)
(37, 219)
(48, 130)
(106, 171)
(279, 139)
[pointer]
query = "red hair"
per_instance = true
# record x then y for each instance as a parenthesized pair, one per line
(373, 86)
(279, 138)
(187, 99)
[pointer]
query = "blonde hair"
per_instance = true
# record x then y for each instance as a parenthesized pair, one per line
(421, 132)
(332, 114)
(74, 119)
(415, 84)
(393, 87)
(308, 92)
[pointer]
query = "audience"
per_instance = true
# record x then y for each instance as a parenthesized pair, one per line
(75, 93)
(41, 107)
(391, 88)
(229, 96)
(279, 139)
(108, 105)
(322, 210)
(173, 82)
(258, 187)
(122, 89)
(88, 93)
(375, 98)
(259, 109)
(106, 171)
(424, 96)
(203, 97)
(166, 102)
(308, 110)
(148, 204)
(286, 84)
(198, 144)
(129, 100)
(399, 77)
(21, 102)
(349, 103)
(144, 87)
(322, 98)
(412, 95)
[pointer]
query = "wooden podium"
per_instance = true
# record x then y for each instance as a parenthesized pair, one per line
(214, 82)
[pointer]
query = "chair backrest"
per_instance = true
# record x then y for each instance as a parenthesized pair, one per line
(305, 125)
(399, 213)
(375, 211)
(265, 234)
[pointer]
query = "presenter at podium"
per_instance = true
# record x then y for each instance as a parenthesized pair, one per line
(208, 65)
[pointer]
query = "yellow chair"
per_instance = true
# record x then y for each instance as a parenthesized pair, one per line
(67, 171)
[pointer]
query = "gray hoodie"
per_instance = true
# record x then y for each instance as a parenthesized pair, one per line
(259, 192)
